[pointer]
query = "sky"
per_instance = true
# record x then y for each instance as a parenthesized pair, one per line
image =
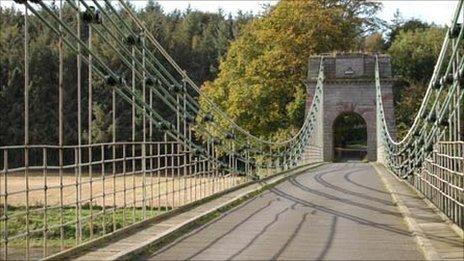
(436, 11)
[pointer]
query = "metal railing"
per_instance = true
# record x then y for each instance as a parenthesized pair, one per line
(430, 156)
(442, 180)
(57, 204)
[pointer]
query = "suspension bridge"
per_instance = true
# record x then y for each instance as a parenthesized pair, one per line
(189, 183)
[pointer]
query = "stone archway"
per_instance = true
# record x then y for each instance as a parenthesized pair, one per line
(364, 111)
(349, 87)
(349, 131)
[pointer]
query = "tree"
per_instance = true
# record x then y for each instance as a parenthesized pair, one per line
(260, 79)
(399, 25)
(407, 105)
(414, 54)
(196, 40)
(11, 75)
(374, 43)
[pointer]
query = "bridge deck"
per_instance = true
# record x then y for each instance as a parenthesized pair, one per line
(340, 211)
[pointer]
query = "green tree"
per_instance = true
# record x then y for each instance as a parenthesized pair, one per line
(414, 54)
(196, 40)
(399, 25)
(11, 78)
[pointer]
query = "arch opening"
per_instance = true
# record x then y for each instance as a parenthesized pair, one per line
(349, 137)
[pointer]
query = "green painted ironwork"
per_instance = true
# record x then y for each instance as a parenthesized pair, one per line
(431, 155)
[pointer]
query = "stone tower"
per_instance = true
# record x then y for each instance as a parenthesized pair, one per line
(349, 87)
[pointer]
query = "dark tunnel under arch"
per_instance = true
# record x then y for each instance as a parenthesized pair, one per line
(349, 137)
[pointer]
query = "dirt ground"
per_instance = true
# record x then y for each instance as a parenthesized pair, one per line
(120, 191)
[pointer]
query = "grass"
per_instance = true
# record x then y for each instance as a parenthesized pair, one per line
(62, 223)
(102, 223)
(161, 193)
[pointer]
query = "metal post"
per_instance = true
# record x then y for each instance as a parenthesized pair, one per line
(158, 174)
(133, 79)
(151, 152)
(5, 204)
(191, 170)
(103, 181)
(173, 170)
(124, 174)
(113, 149)
(60, 92)
(209, 180)
(214, 168)
(184, 132)
(144, 132)
(165, 143)
(79, 114)
(178, 149)
(234, 176)
(89, 131)
(26, 123)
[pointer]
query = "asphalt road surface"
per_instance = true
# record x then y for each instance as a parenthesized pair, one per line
(337, 211)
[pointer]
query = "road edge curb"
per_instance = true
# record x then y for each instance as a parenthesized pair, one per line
(419, 236)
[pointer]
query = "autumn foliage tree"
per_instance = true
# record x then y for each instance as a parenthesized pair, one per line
(260, 81)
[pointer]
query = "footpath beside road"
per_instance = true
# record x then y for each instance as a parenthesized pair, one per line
(435, 234)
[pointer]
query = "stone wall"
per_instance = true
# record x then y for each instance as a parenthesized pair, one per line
(349, 87)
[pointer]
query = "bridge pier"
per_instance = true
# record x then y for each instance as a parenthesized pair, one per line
(349, 87)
